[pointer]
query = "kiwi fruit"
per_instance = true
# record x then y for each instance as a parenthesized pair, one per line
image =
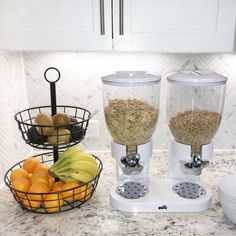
(59, 136)
(61, 119)
(44, 119)
(34, 137)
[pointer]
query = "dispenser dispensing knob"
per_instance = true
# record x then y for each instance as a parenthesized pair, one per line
(196, 166)
(197, 161)
(130, 164)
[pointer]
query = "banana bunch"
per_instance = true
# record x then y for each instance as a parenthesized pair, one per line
(75, 165)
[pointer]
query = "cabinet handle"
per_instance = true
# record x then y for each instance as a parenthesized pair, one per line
(121, 16)
(102, 20)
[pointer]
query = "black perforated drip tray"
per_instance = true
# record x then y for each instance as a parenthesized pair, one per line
(189, 190)
(132, 190)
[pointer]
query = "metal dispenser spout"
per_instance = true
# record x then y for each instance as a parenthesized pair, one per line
(183, 164)
(194, 167)
(131, 165)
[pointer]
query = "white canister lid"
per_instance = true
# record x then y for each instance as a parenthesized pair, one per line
(197, 78)
(131, 78)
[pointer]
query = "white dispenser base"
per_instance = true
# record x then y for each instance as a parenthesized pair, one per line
(161, 198)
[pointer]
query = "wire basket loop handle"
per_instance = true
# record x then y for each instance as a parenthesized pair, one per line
(52, 80)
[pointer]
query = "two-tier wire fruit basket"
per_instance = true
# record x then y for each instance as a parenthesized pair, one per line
(56, 128)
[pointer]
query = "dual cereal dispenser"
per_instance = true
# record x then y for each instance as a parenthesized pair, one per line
(195, 101)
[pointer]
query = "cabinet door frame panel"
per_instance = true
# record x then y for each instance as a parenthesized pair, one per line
(36, 38)
(221, 40)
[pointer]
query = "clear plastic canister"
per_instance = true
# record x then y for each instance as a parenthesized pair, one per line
(195, 101)
(131, 103)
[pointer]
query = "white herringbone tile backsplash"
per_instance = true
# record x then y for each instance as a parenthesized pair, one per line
(13, 98)
(80, 85)
(22, 86)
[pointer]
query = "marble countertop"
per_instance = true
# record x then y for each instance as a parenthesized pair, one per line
(96, 217)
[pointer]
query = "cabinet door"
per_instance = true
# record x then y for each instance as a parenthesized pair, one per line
(174, 25)
(55, 25)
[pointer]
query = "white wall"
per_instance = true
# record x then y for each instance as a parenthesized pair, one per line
(80, 85)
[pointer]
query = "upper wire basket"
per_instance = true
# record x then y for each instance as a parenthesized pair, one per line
(60, 136)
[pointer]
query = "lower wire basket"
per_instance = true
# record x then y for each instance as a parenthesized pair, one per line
(53, 202)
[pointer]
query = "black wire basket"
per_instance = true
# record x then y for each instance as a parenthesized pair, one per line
(50, 136)
(52, 202)
(49, 133)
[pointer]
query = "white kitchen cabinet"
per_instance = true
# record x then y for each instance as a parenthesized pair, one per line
(174, 25)
(122, 25)
(55, 25)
